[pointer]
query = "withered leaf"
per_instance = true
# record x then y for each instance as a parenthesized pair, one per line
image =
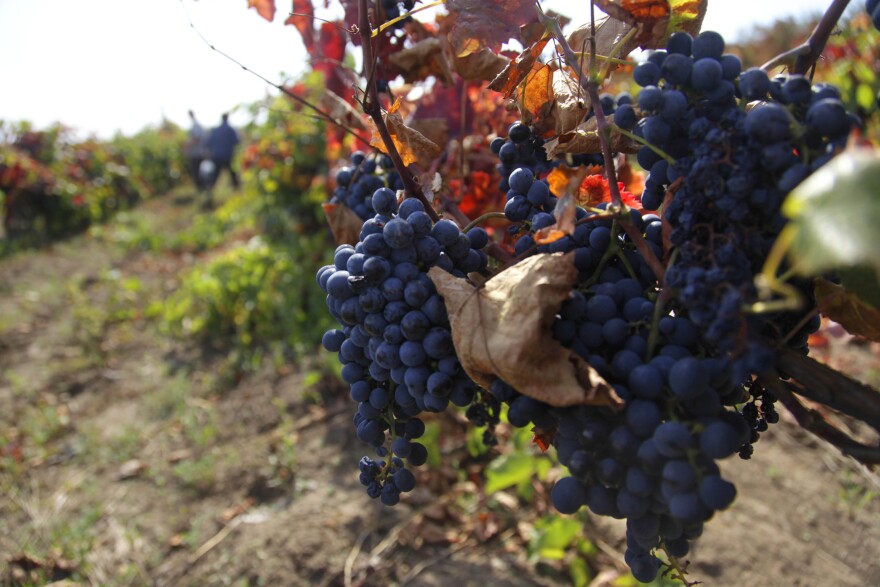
(516, 71)
(504, 330)
(585, 139)
(483, 65)
(845, 308)
(423, 60)
(565, 211)
(344, 223)
(656, 20)
(571, 102)
(343, 112)
(412, 145)
(435, 130)
(487, 23)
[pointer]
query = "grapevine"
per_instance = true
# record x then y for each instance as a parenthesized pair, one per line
(674, 325)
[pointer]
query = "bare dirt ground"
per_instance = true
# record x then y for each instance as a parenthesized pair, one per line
(130, 458)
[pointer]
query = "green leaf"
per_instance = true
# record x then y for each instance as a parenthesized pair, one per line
(509, 470)
(579, 572)
(835, 214)
(844, 307)
(554, 534)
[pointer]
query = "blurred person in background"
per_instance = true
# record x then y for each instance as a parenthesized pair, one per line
(194, 152)
(221, 144)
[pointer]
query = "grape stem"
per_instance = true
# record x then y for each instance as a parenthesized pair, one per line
(813, 421)
(603, 130)
(372, 107)
(803, 57)
(660, 152)
(480, 219)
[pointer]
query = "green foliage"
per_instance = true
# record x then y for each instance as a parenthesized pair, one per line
(155, 156)
(54, 186)
(261, 296)
(518, 466)
(830, 233)
(254, 296)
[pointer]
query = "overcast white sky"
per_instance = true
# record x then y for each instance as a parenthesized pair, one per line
(103, 65)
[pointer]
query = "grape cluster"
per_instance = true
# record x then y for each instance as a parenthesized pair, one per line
(521, 149)
(735, 166)
(356, 183)
(395, 343)
(654, 462)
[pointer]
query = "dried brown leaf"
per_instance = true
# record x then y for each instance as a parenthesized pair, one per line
(609, 32)
(435, 130)
(570, 100)
(487, 23)
(412, 145)
(343, 112)
(344, 223)
(565, 212)
(845, 308)
(504, 330)
(483, 65)
(423, 60)
(585, 139)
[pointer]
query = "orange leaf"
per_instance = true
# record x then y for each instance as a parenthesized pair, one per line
(536, 90)
(265, 8)
(412, 145)
(516, 71)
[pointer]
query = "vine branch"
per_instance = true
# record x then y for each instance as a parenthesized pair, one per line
(807, 53)
(815, 422)
(373, 109)
(603, 130)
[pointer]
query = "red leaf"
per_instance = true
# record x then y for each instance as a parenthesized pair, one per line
(487, 23)
(265, 8)
(593, 190)
(303, 18)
